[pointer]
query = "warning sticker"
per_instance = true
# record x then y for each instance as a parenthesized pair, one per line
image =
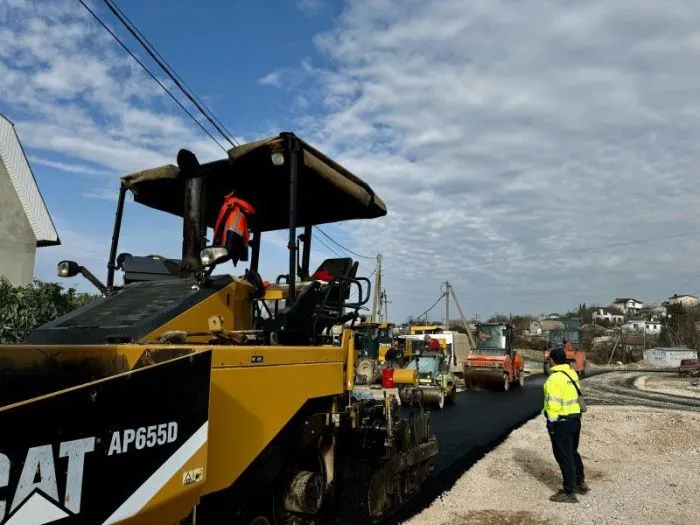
(193, 476)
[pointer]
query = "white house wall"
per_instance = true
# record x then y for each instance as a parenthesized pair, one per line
(17, 241)
(25, 187)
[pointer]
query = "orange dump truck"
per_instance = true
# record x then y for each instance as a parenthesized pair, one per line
(494, 359)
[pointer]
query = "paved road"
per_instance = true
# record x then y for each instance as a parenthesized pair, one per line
(618, 388)
(479, 421)
(483, 419)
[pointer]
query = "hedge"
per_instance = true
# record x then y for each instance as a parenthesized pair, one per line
(23, 308)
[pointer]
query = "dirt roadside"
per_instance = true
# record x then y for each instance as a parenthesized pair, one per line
(643, 466)
(669, 383)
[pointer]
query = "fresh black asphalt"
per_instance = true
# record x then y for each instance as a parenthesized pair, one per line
(479, 422)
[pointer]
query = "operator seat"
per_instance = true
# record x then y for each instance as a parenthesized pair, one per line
(319, 306)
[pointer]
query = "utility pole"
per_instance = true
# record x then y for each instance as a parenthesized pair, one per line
(464, 319)
(377, 287)
(447, 304)
(386, 305)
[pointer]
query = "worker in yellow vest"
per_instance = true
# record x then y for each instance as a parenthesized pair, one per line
(562, 408)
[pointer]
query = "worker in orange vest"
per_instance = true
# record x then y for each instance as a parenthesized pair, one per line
(568, 347)
(231, 228)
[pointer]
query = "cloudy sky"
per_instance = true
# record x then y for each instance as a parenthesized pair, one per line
(535, 153)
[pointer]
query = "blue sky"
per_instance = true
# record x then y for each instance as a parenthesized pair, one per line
(227, 54)
(537, 154)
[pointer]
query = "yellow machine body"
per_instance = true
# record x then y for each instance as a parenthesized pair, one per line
(254, 392)
(183, 395)
(405, 376)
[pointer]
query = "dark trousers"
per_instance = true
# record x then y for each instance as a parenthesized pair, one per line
(565, 435)
(236, 246)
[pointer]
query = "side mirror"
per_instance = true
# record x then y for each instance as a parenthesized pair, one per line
(68, 269)
(213, 255)
(72, 268)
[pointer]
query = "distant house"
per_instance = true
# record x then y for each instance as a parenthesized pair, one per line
(627, 305)
(592, 328)
(603, 340)
(654, 312)
(632, 343)
(609, 315)
(670, 357)
(684, 299)
(542, 327)
(627, 342)
(642, 326)
(25, 223)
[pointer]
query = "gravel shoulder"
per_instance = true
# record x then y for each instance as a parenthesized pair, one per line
(670, 383)
(643, 466)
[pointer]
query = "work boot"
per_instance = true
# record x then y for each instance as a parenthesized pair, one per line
(583, 488)
(563, 497)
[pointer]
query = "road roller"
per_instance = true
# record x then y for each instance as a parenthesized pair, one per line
(494, 361)
(436, 383)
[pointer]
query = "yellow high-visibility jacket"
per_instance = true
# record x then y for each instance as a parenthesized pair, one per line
(560, 396)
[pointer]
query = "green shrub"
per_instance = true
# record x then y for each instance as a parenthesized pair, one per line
(23, 308)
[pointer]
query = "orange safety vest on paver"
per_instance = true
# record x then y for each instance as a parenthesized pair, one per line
(233, 216)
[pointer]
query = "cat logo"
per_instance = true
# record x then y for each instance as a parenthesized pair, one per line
(36, 499)
(193, 476)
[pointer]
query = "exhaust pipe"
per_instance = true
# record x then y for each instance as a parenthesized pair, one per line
(193, 227)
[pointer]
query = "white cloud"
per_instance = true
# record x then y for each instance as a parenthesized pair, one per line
(82, 107)
(272, 79)
(504, 137)
(70, 168)
(499, 132)
(73, 92)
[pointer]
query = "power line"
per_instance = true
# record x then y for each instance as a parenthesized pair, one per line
(330, 248)
(343, 247)
(432, 306)
(156, 79)
(150, 49)
(131, 27)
